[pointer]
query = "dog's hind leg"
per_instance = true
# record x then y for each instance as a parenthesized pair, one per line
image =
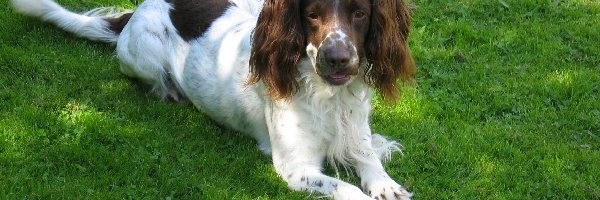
(150, 49)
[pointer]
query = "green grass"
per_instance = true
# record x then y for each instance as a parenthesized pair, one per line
(506, 106)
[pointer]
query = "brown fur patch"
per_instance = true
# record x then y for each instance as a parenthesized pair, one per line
(116, 24)
(278, 45)
(387, 48)
(193, 17)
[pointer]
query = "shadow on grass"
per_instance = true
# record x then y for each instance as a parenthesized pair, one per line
(84, 132)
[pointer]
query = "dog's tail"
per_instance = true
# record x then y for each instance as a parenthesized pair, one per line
(101, 24)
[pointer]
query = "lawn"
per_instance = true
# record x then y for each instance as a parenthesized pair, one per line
(506, 106)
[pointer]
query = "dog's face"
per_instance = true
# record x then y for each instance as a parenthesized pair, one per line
(344, 39)
(336, 33)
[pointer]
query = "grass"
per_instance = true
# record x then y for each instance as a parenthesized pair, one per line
(506, 107)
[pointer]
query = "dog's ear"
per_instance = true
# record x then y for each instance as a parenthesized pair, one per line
(278, 44)
(387, 47)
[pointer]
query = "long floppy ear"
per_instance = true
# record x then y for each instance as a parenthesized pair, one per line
(387, 47)
(278, 44)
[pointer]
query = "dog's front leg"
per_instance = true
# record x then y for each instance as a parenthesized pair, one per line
(374, 179)
(378, 184)
(298, 156)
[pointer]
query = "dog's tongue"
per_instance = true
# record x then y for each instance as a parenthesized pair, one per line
(338, 76)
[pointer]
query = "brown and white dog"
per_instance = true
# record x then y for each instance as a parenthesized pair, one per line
(297, 75)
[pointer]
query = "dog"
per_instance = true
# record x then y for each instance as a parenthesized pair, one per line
(296, 75)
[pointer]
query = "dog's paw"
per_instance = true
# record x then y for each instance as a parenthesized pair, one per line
(349, 193)
(386, 189)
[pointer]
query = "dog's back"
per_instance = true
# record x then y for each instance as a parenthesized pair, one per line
(152, 42)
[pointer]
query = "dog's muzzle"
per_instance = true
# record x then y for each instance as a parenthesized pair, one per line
(337, 61)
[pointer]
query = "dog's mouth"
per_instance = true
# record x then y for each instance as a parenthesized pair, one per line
(338, 78)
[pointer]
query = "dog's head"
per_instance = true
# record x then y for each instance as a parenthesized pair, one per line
(341, 38)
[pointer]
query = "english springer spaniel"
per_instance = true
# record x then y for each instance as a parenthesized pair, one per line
(296, 75)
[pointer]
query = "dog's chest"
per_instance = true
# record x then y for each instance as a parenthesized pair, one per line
(330, 120)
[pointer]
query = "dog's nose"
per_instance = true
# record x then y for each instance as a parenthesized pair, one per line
(337, 57)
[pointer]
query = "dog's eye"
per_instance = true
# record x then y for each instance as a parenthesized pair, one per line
(313, 16)
(359, 14)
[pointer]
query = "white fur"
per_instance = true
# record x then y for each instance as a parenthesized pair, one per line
(83, 25)
(320, 122)
(150, 48)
